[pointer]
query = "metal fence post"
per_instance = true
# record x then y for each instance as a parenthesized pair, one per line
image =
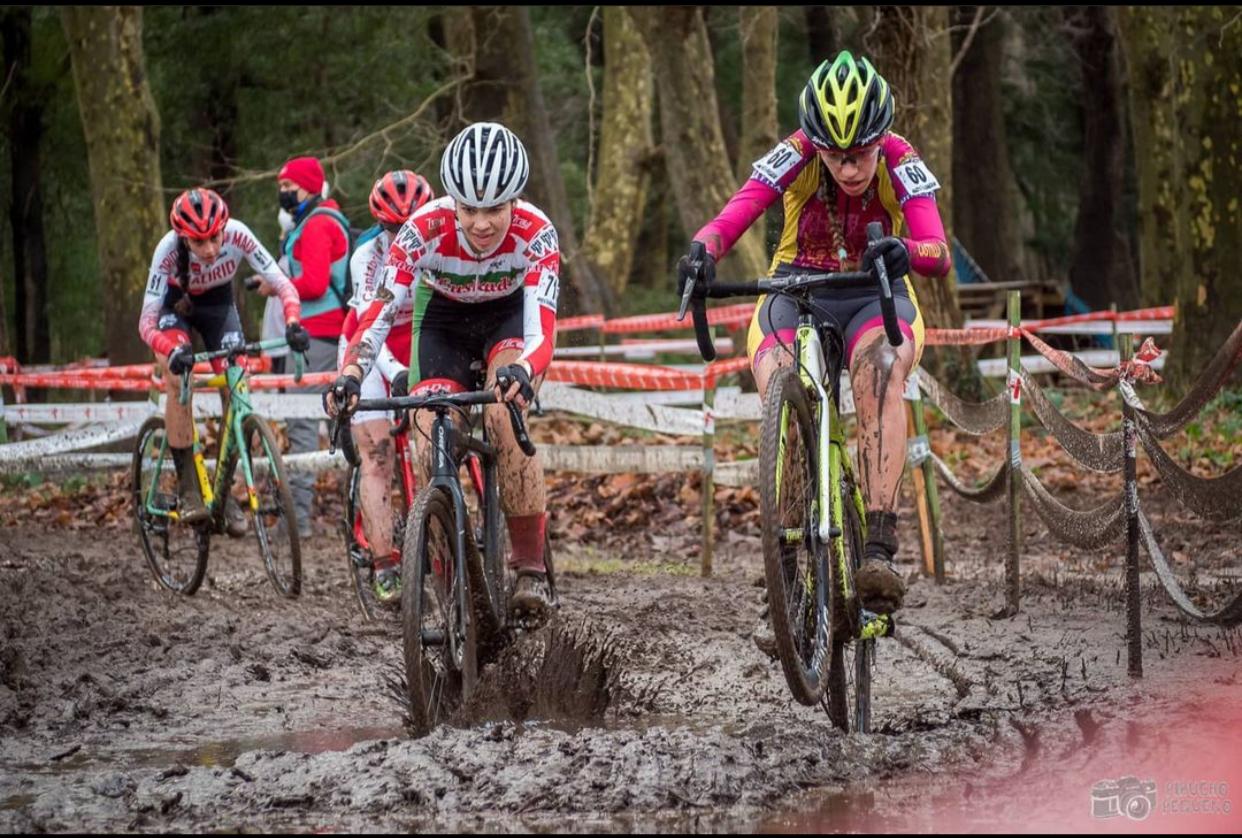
(1134, 616)
(1013, 589)
(709, 468)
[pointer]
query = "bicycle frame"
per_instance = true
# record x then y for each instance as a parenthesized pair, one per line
(445, 475)
(237, 409)
(833, 463)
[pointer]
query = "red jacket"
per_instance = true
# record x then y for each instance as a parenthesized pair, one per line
(319, 243)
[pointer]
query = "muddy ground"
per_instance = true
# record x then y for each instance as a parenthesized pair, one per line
(125, 707)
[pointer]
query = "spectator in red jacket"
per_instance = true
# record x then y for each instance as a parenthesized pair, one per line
(316, 254)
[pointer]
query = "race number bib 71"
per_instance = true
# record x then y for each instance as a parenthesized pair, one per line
(917, 180)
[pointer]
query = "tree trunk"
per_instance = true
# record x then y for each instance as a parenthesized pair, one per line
(1185, 70)
(696, 161)
(984, 214)
(625, 151)
(911, 50)
(758, 28)
(33, 342)
(1101, 270)
(122, 131)
(546, 183)
(495, 45)
(821, 35)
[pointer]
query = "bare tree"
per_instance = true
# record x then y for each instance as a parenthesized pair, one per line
(32, 339)
(1101, 270)
(758, 26)
(1185, 68)
(698, 166)
(626, 150)
(122, 131)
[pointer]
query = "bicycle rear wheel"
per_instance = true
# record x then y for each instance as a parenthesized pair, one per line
(793, 556)
(358, 551)
(275, 521)
(848, 700)
(176, 552)
(440, 638)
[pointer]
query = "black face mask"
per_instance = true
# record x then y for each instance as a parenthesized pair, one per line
(289, 199)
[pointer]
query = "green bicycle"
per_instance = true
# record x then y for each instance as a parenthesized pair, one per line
(177, 553)
(813, 517)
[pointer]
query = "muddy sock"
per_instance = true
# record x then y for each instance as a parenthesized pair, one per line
(526, 535)
(183, 460)
(881, 535)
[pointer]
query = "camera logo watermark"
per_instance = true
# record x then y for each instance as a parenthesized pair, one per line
(1129, 796)
(1136, 799)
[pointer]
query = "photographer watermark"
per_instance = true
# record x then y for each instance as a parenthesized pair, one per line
(1136, 799)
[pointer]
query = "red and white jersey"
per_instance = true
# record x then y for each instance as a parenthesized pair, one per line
(239, 243)
(366, 268)
(432, 249)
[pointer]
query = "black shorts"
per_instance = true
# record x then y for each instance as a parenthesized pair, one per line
(854, 311)
(447, 337)
(213, 315)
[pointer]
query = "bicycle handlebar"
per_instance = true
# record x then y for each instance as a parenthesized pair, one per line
(252, 350)
(801, 283)
(437, 400)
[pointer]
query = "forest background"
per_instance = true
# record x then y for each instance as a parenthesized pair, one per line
(1095, 147)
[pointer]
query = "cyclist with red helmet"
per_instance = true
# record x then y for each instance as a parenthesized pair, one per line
(191, 287)
(394, 198)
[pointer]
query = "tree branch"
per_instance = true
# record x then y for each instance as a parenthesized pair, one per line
(975, 25)
(335, 157)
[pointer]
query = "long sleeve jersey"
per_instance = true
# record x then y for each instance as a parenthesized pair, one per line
(366, 267)
(431, 253)
(239, 243)
(903, 190)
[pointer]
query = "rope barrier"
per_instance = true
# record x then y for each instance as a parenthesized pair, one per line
(991, 489)
(976, 418)
(1086, 528)
(1098, 452)
(1228, 615)
(1213, 498)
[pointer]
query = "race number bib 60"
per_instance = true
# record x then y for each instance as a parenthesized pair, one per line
(776, 164)
(917, 180)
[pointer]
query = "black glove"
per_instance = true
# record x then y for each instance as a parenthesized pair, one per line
(297, 337)
(399, 387)
(181, 359)
(699, 267)
(515, 372)
(342, 392)
(893, 251)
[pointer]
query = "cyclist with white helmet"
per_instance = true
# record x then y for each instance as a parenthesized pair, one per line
(482, 269)
(394, 197)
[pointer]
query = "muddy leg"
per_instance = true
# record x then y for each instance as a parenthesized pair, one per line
(522, 493)
(878, 374)
(376, 449)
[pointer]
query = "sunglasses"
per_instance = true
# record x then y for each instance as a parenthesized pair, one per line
(836, 157)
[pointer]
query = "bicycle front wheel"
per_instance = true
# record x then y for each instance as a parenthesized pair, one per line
(176, 552)
(440, 638)
(793, 556)
(848, 701)
(275, 520)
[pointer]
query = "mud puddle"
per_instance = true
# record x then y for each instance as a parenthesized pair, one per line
(648, 709)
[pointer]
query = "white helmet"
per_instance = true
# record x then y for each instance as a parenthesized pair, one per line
(485, 165)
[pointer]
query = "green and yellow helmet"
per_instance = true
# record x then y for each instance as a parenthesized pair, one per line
(845, 104)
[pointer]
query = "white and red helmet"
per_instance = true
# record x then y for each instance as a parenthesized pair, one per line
(484, 166)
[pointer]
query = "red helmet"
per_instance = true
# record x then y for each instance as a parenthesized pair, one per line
(199, 214)
(397, 194)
